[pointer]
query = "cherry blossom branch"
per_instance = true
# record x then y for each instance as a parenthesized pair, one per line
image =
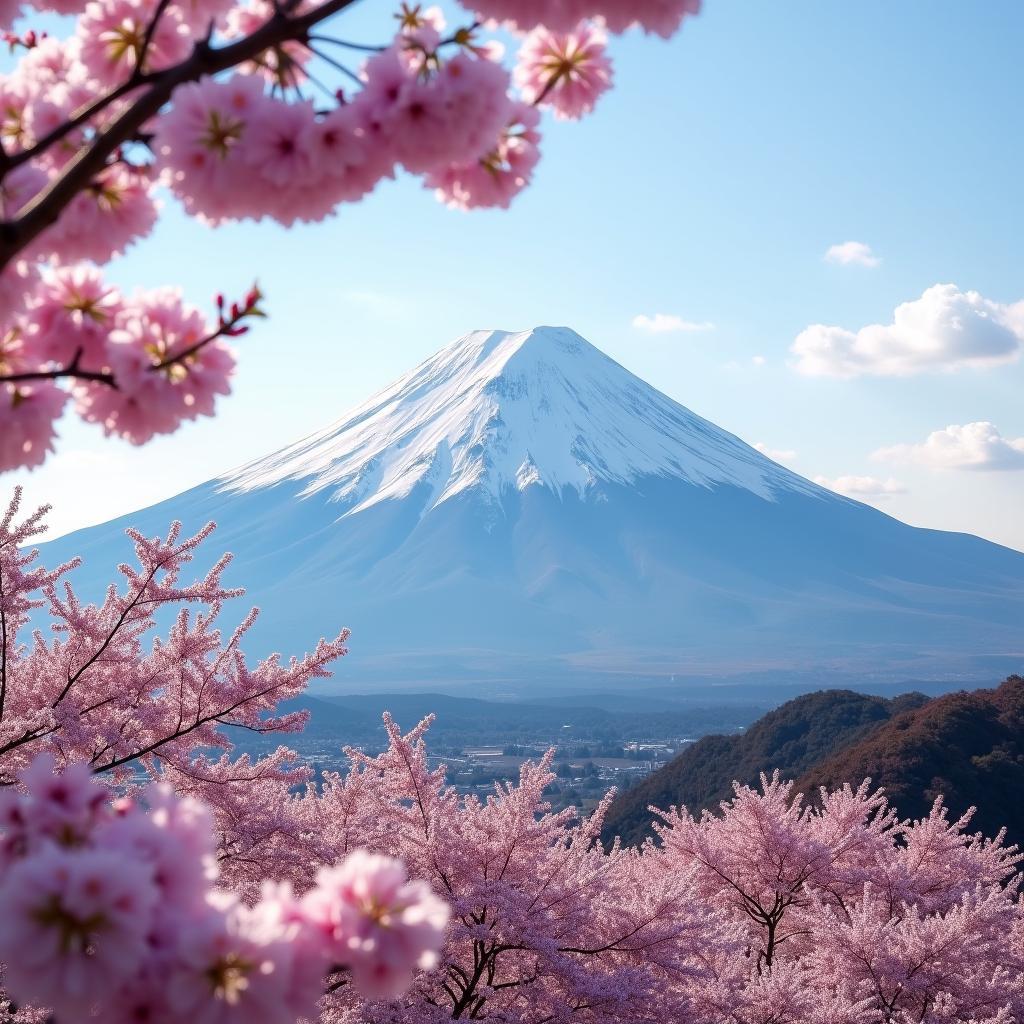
(138, 78)
(147, 39)
(44, 210)
(214, 716)
(229, 326)
(28, 736)
(179, 733)
(73, 677)
(8, 161)
(73, 371)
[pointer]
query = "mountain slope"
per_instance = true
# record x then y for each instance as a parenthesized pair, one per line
(966, 746)
(521, 509)
(790, 739)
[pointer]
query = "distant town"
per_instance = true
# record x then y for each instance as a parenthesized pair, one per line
(484, 743)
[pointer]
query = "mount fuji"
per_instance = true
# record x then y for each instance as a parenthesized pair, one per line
(520, 511)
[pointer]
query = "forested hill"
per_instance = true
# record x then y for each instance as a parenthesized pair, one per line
(967, 746)
(794, 737)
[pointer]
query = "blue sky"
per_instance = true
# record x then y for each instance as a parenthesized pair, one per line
(708, 186)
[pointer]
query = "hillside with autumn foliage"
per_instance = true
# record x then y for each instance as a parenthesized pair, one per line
(790, 740)
(967, 747)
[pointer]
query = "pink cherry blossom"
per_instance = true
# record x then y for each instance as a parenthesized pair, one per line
(72, 925)
(14, 359)
(567, 72)
(279, 913)
(73, 313)
(382, 926)
(140, 1000)
(15, 97)
(175, 839)
(157, 383)
(198, 15)
(52, 62)
(18, 283)
(662, 17)
(112, 34)
(28, 417)
(9, 10)
(233, 965)
(451, 116)
(101, 222)
(19, 187)
(59, 6)
(281, 65)
(501, 174)
(61, 809)
(197, 141)
(348, 165)
(278, 148)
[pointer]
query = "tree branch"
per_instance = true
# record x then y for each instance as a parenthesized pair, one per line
(44, 210)
(73, 371)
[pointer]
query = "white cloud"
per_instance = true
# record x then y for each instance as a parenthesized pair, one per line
(777, 454)
(852, 252)
(971, 446)
(669, 323)
(862, 486)
(755, 361)
(944, 330)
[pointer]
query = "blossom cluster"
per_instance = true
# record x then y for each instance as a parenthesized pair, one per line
(228, 150)
(138, 365)
(110, 908)
(210, 100)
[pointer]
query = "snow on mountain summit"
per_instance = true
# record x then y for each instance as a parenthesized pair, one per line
(498, 410)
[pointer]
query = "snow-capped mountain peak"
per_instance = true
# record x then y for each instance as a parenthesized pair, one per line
(499, 409)
(520, 511)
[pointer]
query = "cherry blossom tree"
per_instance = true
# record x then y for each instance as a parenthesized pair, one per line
(105, 690)
(851, 913)
(240, 109)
